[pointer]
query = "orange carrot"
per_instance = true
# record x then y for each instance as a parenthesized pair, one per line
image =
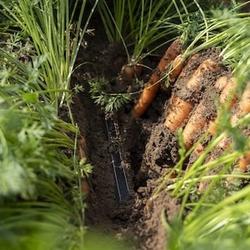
(244, 162)
(199, 149)
(226, 85)
(244, 105)
(130, 71)
(228, 91)
(198, 121)
(182, 110)
(195, 125)
(149, 92)
(177, 67)
(179, 111)
(208, 65)
(222, 81)
(212, 128)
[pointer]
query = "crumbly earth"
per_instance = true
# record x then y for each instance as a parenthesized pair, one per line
(148, 148)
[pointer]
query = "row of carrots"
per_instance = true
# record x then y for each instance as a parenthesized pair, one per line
(181, 110)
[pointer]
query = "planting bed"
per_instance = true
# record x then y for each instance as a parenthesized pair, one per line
(160, 93)
(148, 149)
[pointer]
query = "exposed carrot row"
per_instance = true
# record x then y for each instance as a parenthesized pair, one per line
(244, 108)
(226, 86)
(197, 121)
(153, 85)
(179, 111)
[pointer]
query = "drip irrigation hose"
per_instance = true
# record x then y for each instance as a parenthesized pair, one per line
(114, 136)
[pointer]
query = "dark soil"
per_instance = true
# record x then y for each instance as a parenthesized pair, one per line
(148, 148)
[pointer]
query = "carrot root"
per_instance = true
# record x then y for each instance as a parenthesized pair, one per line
(177, 67)
(244, 162)
(222, 82)
(149, 92)
(227, 93)
(195, 125)
(130, 71)
(179, 111)
(208, 65)
(146, 98)
(244, 105)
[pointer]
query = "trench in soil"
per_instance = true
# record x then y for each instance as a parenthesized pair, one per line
(147, 149)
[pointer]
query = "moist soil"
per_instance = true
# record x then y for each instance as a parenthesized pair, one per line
(148, 148)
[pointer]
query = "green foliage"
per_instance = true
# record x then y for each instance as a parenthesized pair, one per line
(140, 23)
(224, 225)
(55, 36)
(41, 202)
(110, 102)
(35, 211)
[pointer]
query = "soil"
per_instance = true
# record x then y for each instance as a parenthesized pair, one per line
(148, 149)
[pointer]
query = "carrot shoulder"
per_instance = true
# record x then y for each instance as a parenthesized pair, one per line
(149, 92)
(227, 93)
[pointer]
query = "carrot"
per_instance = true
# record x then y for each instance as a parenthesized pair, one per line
(186, 70)
(195, 125)
(243, 109)
(197, 120)
(177, 67)
(212, 128)
(130, 71)
(244, 104)
(199, 149)
(225, 85)
(244, 162)
(222, 81)
(149, 92)
(208, 65)
(179, 111)
(228, 91)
